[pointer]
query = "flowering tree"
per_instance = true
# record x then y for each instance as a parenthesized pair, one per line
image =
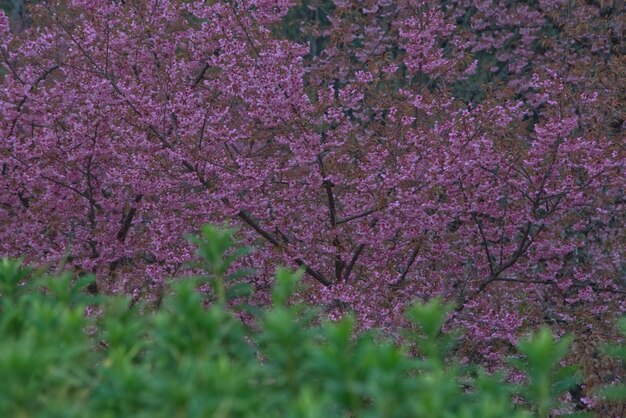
(510, 203)
(335, 134)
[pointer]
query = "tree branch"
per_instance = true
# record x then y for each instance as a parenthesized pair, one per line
(200, 75)
(360, 215)
(128, 220)
(352, 262)
(593, 287)
(485, 243)
(408, 266)
(254, 225)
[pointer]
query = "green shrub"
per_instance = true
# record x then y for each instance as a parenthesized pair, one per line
(616, 392)
(188, 360)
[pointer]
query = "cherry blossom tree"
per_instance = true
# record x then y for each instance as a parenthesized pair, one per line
(341, 144)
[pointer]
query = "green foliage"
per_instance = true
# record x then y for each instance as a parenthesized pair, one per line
(302, 15)
(547, 380)
(45, 354)
(218, 252)
(7, 6)
(616, 392)
(430, 318)
(189, 360)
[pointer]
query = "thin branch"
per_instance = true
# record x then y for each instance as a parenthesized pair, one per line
(408, 266)
(352, 262)
(523, 246)
(313, 273)
(200, 75)
(254, 225)
(485, 243)
(243, 28)
(67, 186)
(332, 213)
(328, 186)
(594, 287)
(39, 79)
(128, 220)
(360, 215)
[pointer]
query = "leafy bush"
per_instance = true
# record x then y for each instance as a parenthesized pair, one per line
(617, 392)
(185, 359)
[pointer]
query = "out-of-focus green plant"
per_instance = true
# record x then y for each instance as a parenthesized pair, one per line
(617, 392)
(546, 379)
(218, 252)
(46, 355)
(185, 359)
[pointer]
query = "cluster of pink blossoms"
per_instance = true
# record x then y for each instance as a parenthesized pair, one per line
(347, 151)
